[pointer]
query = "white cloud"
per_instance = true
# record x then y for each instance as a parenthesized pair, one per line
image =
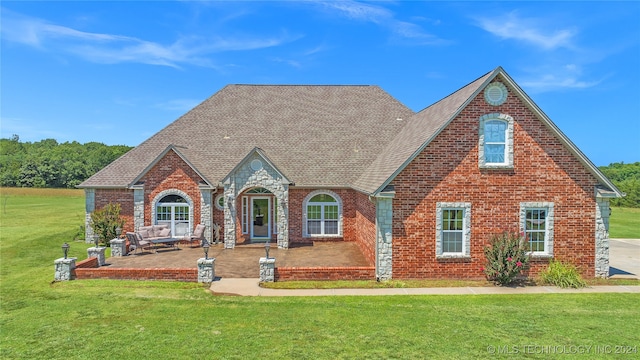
(382, 17)
(528, 30)
(568, 76)
(110, 48)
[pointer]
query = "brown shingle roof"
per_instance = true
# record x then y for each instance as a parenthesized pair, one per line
(316, 135)
(421, 128)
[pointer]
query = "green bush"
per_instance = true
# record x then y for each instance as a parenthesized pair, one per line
(562, 275)
(506, 258)
(105, 221)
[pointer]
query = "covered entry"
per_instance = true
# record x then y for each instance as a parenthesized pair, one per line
(259, 214)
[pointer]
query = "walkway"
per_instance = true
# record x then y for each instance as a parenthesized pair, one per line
(250, 287)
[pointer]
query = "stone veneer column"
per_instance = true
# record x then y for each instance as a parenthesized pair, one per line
(229, 216)
(206, 215)
(267, 269)
(89, 207)
(118, 247)
(602, 237)
(206, 270)
(138, 206)
(64, 268)
(384, 222)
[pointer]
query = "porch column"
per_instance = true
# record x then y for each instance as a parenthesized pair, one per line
(90, 207)
(602, 237)
(384, 222)
(138, 206)
(206, 214)
(282, 194)
(230, 213)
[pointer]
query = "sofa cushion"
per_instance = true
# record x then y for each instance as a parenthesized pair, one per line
(144, 233)
(164, 233)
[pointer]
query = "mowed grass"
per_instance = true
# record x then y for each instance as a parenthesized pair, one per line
(170, 320)
(624, 223)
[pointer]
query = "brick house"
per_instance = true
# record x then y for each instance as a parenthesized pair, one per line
(420, 193)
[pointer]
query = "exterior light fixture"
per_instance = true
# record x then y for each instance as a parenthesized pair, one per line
(65, 249)
(205, 247)
(96, 239)
(118, 231)
(267, 246)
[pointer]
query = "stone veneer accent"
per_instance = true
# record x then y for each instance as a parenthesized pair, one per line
(206, 270)
(384, 231)
(90, 206)
(267, 269)
(138, 207)
(64, 269)
(244, 178)
(206, 212)
(602, 237)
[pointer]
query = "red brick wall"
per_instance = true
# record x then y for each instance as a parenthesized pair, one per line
(124, 197)
(349, 215)
(447, 171)
(366, 226)
(174, 274)
(171, 172)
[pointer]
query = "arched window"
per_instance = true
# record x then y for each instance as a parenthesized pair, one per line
(495, 148)
(175, 211)
(323, 214)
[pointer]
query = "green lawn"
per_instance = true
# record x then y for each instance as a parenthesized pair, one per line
(169, 320)
(624, 223)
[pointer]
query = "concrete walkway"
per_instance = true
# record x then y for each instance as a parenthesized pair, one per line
(250, 287)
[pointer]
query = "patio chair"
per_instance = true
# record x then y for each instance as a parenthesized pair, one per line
(137, 242)
(198, 235)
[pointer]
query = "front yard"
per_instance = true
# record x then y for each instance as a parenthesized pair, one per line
(136, 320)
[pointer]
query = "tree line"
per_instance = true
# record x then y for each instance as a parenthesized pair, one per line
(627, 178)
(49, 164)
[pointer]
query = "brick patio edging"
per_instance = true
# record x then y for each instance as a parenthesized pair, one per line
(89, 269)
(325, 273)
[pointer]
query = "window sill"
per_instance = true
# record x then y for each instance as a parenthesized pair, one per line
(497, 166)
(540, 256)
(453, 256)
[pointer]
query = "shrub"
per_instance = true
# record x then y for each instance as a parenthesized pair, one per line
(105, 221)
(506, 257)
(562, 275)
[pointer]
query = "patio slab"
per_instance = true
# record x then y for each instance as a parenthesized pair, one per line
(243, 260)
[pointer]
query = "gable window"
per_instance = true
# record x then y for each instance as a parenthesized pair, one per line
(536, 219)
(453, 229)
(323, 213)
(495, 148)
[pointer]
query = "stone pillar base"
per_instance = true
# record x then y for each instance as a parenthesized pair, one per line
(97, 252)
(118, 247)
(267, 269)
(64, 268)
(206, 270)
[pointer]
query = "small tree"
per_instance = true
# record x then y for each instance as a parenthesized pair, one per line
(105, 221)
(506, 257)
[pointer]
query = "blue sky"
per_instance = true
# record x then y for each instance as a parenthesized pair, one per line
(118, 72)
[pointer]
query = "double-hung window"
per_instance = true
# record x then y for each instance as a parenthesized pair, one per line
(537, 225)
(322, 215)
(453, 229)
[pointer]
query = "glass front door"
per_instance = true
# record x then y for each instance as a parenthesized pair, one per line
(260, 218)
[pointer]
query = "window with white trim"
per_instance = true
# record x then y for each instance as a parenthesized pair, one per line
(495, 148)
(322, 214)
(536, 219)
(453, 229)
(219, 202)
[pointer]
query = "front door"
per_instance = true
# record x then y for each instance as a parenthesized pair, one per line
(260, 218)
